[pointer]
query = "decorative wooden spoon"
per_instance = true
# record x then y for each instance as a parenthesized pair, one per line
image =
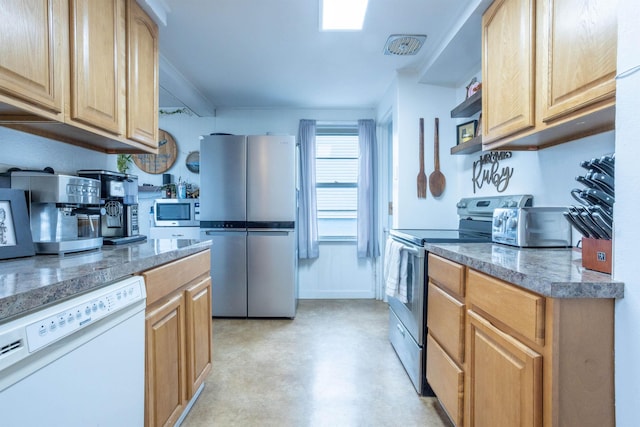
(436, 179)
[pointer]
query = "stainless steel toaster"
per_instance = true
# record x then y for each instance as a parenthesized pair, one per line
(533, 227)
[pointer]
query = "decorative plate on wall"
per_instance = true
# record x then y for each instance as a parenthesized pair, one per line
(161, 162)
(193, 162)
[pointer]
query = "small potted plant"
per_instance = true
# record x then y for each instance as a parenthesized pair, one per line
(123, 162)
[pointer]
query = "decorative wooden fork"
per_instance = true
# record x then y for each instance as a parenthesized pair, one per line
(422, 176)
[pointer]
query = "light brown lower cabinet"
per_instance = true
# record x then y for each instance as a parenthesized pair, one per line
(446, 336)
(198, 302)
(534, 360)
(525, 359)
(166, 391)
(446, 379)
(504, 378)
(178, 336)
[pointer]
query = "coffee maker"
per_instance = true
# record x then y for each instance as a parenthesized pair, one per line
(119, 219)
(62, 211)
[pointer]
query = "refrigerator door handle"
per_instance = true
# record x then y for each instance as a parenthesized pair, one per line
(271, 232)
(222, 232)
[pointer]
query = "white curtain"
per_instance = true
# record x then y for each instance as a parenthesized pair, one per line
(307, 214)
(368, 245)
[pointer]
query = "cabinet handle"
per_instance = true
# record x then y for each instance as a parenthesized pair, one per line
(177, 235)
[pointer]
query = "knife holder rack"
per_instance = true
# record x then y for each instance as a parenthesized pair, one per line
(596, 254)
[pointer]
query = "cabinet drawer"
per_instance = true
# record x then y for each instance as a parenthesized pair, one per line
(519, 310)
(446, 380)
(163, 280)
(445, 320)
(448, 274)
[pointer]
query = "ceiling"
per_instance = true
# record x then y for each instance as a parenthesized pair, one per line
(271, 53)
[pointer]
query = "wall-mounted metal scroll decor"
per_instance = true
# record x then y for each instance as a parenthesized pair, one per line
(486, 170)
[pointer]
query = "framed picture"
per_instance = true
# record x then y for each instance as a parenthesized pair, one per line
(466, 131)
(473, 87)
(15, 232)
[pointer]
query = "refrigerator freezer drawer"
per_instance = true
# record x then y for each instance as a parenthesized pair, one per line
(271, 270)
(228, 272)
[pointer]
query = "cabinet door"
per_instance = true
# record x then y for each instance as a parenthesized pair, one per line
(504, 378)
(166, 391)
(31, 54)
(142, 76)
(446, 379)
(445, 319)
(198, 297)
(97, 64)
(508, 68)
(580, 56)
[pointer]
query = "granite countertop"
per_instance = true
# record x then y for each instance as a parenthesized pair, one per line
(30, 283)
(556, 273)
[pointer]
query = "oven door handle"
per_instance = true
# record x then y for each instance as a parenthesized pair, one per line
(418, 252)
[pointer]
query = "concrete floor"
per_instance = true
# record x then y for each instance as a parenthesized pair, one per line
(331, 366)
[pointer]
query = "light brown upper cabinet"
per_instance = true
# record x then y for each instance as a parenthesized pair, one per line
(579, 54)
(31, 55)
(548, 71)
(97, 46)
(508, 68)
(142, 76)
(64, 69)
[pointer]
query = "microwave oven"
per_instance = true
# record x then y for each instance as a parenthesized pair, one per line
(176, 213)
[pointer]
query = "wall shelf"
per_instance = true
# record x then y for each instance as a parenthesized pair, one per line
(472, 146)
(149, 188)
(469, 106)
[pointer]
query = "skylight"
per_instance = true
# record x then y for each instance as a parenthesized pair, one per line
(342, 15)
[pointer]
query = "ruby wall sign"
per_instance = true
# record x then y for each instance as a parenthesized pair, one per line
(487, 170)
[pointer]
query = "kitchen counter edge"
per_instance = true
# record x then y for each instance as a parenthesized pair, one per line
(27, 284)
(555, 273)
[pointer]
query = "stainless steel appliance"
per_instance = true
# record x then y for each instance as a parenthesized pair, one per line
(407, 332)
(57, 204)
(248, 210)
(119, 216)
(534, 227)
(74, 357)
(176, 212)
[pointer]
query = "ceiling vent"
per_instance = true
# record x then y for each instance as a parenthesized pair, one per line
(404, 44)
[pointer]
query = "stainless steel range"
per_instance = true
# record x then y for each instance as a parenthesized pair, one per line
(408, 313)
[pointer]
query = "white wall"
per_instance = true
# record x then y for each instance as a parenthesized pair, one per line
(33, 152)
(547, 174)
(627, 232)
(337, 273)
(415, 101)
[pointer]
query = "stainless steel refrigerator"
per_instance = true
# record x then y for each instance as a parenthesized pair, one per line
(248, 209)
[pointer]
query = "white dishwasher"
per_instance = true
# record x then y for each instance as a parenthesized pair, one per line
(77, 363)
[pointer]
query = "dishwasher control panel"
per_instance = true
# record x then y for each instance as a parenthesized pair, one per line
(83, 313)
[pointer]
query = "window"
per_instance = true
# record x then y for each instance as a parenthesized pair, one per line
(337, 181)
